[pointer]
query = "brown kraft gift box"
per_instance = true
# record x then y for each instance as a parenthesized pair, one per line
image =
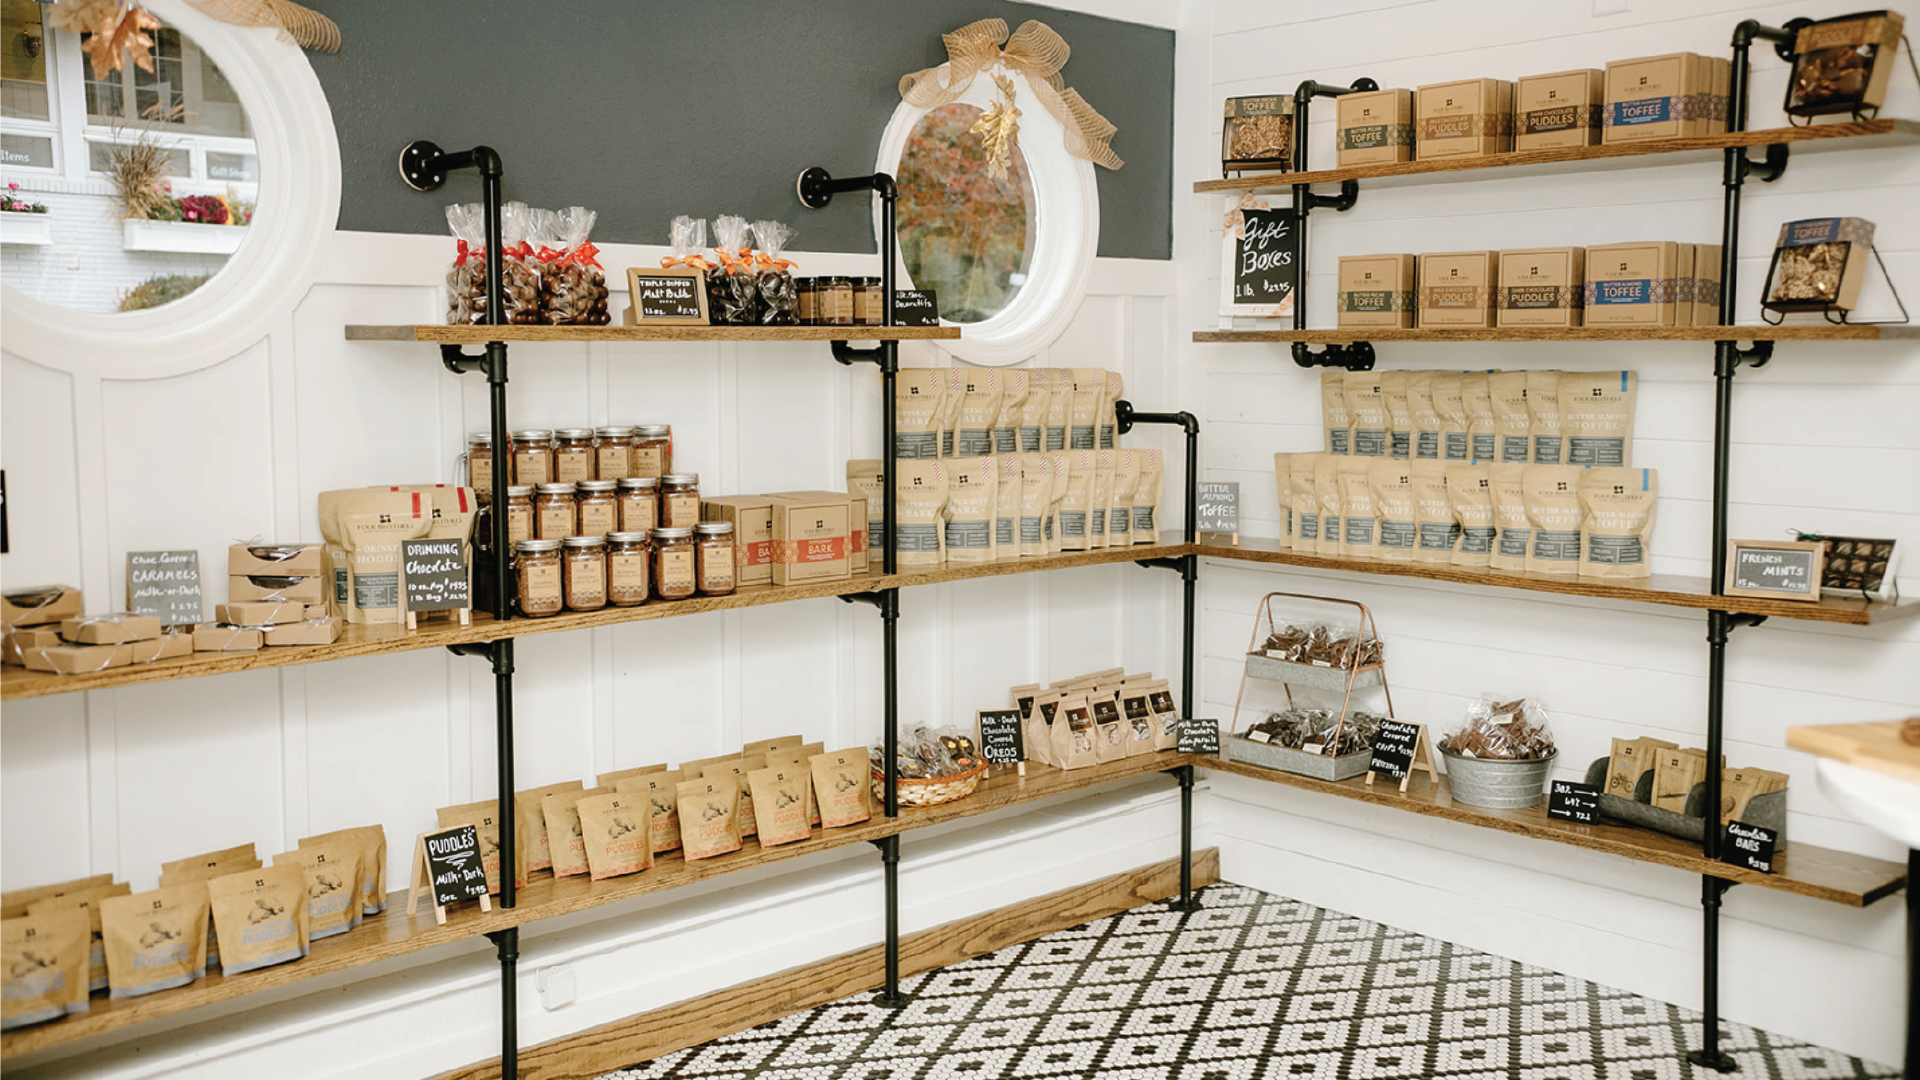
(1469, 118)
(303, 559)
(811, 539)
(1374, 128)
(109, 629)
(1456, 289)
(1376, 291)
(856, 522)
(1633, 284)
(752, 519)
(272, 588)
(1562, 109)
(1706, 284)
(1541, 287)
(39, 606)
(1665, 97)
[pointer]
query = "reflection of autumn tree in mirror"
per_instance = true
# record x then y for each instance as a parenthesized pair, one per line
(964, 233)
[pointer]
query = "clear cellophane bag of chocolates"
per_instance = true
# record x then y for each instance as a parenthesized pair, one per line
(467, 277)
(519, 281)
(1514, 730)
(573, 286)
(773, 275)
(926, 753)
(1322, 646)
(687, 238)
(733, 297)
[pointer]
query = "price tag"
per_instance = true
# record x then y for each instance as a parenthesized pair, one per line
(674, 295)
(1393, 748)
(1219, 507)
(1774, 569)
(1257, 271)
(1199, 735)
(165, 584)
(454, 865)
(1570, 800)
(1001, 739)
(1748, 845)
(436, 575)
(915, 307)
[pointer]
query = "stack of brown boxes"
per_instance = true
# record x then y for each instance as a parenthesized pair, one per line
(1655, 283)
(89, 643)
(275, 596)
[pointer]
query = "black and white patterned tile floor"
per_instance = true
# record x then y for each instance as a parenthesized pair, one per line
(1252, 987)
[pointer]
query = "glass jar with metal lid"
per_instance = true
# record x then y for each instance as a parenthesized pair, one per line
(555, 517)
(833, 301)
(585, 559)
(629, 559)
(714, 540)
(680, 500)
(598, 507)
(639, 504)
(869, 306)
(479, 464)
(573, 454)
(804, 293)
(538, 566)
(675, 575)
(613, 449)
(652, 450)
(519, 513)
(533, 456)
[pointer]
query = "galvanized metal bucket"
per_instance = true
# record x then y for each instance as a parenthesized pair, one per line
(1494, 783)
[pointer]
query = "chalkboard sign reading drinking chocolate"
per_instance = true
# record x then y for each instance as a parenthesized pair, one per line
(1774, 569)
(1257, 268)
(1570, 800)
(1001, 740)
(436, 577)
(671, 296)
(915, 307)
(1199, 735)
(447, 869)
(1220, 508)
(165, 584)
(1748, 845)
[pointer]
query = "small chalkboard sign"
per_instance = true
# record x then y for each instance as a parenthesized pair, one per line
(1199, 735)
(1220, 508)
(436, 577)
(1257, 270)
(915, 307)
(1750, 846)
(1774, 569)
(1570, 800)
(1398, 750)
(447, 869)
(673, 295)
(165, 584)
(1002, 741)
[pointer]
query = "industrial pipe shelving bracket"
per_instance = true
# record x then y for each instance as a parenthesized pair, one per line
(1353, 356)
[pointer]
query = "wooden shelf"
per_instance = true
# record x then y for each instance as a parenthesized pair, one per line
(1858, 135)
(1819, 332)
(480, 335)
(365, 640)
(393, 933)
(1805, 870)
(1669, 589)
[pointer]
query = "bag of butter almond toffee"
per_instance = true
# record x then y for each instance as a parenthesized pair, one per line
(1305, 501)
(1359, 521)
(1146, 496)
(372, 843)
(1393, 505)
(1326, 488)
(917, 397)
(1450, 404)
(530, 824)
(1618, 507)
(1511, 417)
(155, 940)
(1006, 423)
(1059, 410)
(373, 523)
(484, 817)
(1072, 732)
(1033, 410)
(1399, 403)
(1036, 493)
(920, 496)
(1427, 424)
(967, 523)
(709, 816)
(865, 479)
(1109, 437)
(1552, 493)
(780, 798)
(1596, 416)
(1470, 491)
(261, 917)
(1008, 491)
(1367, 410)
(842, 783)
(1437, 527)
(1126, 478)
(618, 830)
(738, 768)
(332, 885)
(46, 959)
(1510, 515)
(1083, 420)
(1099, 495)
(1077, 501)
(1483, 430)
(87, 902)
(1334, 416)
(1166, 727)
(1543, 405)
(980, 398)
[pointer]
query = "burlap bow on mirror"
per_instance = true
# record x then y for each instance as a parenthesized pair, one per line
(1035, 51)
(117, 29)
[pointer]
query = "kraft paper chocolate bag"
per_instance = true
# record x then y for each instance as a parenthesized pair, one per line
(1166, 729)
(1437, 528)
(13, 905)
(1483, 429)
(1358, 521)
(738, 768)
(1033, 411)
(609, 779)
(1367, 408)
(1008, 491)
(1334, 416)
(1428, 425)
(979, 411)
(332, 886)
(1099, 495)
(841, 781)
(1449, 401)
(617, 831)
(1076, 507)
(1510, 515)
(1470, 492)
(260, 917)
(46, 961)
(1036, 493)
(1110, 734)
(709, 816)
(1006, 424)
(1399, 403)
(799, 762)
(956, 388)
(1059, 410)
(373, 524)
(530, 825)
(1543, 405)
(566, 837)
(155, 940)
(484, 817)
(372, 840)
(1063, 468)
(1512, 420)
(1283, 495)
(1306, 501)
(920, 495)
(1126, 478)
(1083, 422)
(1326, 488)
(967, 522)
(1552, 493)
(1393, 505)
(1037, 728)
(917, 397)
(204, 868)
(1136, 705)
(781, 796)
(1146, 496)
(1618, 507)
(864, 479)
(1596, 416)
(662, 788)
(768, 746)
(1109, 438)
(86, 901)
(1073, 732)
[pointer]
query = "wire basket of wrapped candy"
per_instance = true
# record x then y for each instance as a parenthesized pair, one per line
(1501, 755)
(936, 765)
(1337, 653)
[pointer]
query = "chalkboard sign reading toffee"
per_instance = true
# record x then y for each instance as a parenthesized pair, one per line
(670, 296)
(1001, 740)
(1219, 508)
(165, 584)
(915, 307)
(1257, 268)
(1774, 569)
(1748, 845)
(447, 868)
(1398, 750)
(1199, 735)
(436, 577)
(1570, 800)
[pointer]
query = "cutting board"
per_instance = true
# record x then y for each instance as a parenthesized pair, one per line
(1874, 746)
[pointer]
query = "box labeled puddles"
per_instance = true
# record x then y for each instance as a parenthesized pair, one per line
(1633, 284)
(1558, 110)
(1541, 287)
(1469, 118)
(1373, 128)
(1666, 97)
(1456, 289)
(1376, 291)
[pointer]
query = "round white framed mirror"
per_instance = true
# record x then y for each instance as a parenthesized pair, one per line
(298, 167)
(1012, 277)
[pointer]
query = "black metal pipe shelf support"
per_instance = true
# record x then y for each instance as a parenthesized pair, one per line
(424, 167)
(816, 188)
(1353, 356)
(1188, 567)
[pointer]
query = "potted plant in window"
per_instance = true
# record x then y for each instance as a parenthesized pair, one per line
(156, 219)
(23, 222)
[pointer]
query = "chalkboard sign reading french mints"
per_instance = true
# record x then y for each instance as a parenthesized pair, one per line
(436, 575)
(1001, 740)
(1220, 508)
(915, 307)
(1256, 261)
(1748, 845)
(165, 584)
(673, 296)
(1199, 735)
(1570, 800)
(1774, 569)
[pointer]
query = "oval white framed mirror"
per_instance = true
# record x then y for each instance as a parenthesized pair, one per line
(1006, 321)
(274, 265)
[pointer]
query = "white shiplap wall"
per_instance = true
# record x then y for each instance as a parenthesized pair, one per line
(1824, 440)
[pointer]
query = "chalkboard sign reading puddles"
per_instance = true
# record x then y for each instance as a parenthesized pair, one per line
(1570, 800)
(1398, 750)
(1219, 505)
(447, 869)
(165, 584)
(670, 296)
(1774, 569)
(1001, 740)
(437, 577)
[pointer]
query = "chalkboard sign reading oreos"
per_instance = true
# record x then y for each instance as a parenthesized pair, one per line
(1199, 735)
(672, 295)
(1393, 748)
(915, 307)
(1748, 845)
(436, 575)
(1570, 800)
(453, 866)
(1000, 736)
(1257, 262)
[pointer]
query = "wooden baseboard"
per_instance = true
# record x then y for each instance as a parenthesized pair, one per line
(639, 1038)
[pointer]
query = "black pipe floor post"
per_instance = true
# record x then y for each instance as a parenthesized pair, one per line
(1913, 965)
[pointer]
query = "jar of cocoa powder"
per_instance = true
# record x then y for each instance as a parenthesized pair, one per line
(519, 513)
(714, 540)
(585, 559)
(639, 504)
(675, 573)
(598, 507)
(680, 500)
(533, 456)
(554, 515)
(614, 448)
(629, 559)
(541, 590)
(573, 455)
(653, 450)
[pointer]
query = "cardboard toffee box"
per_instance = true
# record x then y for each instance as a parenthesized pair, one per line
(1562, 109)
(1468, 118)
(1376, 291)
(1374, 127)
(1818, 264)
(302, 559)
(752, 518)
(1257, 133)
(1843, 64)
(1706, 285)
(1541, 287)
(1665, 97)
(812, 539)
(1635, 284)
(1456, 289)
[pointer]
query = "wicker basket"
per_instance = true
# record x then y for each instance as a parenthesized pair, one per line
(931, 791)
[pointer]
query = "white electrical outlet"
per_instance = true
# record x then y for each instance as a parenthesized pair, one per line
(556, 986)
(1612, 7)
